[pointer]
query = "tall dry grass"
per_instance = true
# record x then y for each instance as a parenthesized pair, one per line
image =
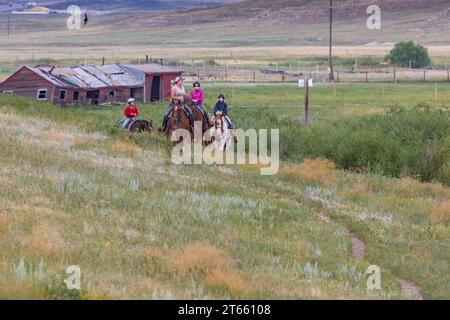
(208, 264)
(313, 170)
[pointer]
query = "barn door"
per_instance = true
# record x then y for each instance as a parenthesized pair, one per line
(92, 97)
(156, 88)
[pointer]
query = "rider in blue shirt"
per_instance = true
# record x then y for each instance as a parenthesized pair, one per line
(221, 106)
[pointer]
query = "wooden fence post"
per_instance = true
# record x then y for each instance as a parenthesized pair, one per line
(233, 100)
(424, 76)
(448, 75)
(367, 76)
(435, 91)
(226, 74)
(306, 100)
(395, 76)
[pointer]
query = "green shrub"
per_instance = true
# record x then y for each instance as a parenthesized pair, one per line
(413, 142)
(408, 52)
(56, 289)
(212, 62)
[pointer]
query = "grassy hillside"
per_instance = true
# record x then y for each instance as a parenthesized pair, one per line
(76, 191)
(244, 24)
(115, 5)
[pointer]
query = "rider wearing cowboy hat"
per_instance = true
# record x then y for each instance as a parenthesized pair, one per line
(177, 93)
(131, 111)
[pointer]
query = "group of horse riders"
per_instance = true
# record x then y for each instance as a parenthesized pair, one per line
(178, 94)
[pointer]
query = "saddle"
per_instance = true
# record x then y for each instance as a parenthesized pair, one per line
(130, 124)
(121, 122)
(199, 109)
(183, 107)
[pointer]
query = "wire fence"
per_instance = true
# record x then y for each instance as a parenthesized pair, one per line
(241, 71)
(210, 71)
(267, 75)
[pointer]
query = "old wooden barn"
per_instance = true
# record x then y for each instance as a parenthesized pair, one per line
(92, 84)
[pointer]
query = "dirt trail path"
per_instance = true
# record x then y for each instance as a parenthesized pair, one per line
(409, 289)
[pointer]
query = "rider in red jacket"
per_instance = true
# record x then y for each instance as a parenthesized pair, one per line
(131, 111)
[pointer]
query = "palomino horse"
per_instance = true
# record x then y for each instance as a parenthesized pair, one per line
(178, 119)
(220, 134)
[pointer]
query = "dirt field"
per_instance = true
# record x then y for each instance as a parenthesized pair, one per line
(243, 53)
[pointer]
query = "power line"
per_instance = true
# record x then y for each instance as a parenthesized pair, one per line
(331, 73)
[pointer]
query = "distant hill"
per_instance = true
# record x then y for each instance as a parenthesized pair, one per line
(300, 11)
(122, 5)
(234, 23)
(423, 21)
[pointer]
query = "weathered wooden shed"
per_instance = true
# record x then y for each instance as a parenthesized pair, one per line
(157, 79)
(92, 84)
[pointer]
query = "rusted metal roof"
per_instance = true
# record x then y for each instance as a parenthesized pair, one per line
(120, 76)
(115, 75)
(154, 68)
(46, 75)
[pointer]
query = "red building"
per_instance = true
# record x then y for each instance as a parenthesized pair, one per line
(92, 84)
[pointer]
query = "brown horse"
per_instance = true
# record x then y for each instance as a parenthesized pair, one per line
(141, 126)
(138, 125)
(198, 116)
(178, 119)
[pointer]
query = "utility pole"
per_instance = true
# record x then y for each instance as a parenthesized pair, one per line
(331, 73)
(306, 120)
(9, 28)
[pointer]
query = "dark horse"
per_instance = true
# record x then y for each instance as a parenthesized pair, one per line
(198, 116)
(138, 125)
(178, 119)
(141, 126)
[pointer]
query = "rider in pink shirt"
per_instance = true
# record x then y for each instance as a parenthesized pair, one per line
(197, 96)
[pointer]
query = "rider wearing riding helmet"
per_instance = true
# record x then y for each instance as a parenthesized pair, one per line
(178, 93)
(197, 96)
(131, 111)
(221, 107)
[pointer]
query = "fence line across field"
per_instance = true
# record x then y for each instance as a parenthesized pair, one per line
(268, 75)
(243, 71)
